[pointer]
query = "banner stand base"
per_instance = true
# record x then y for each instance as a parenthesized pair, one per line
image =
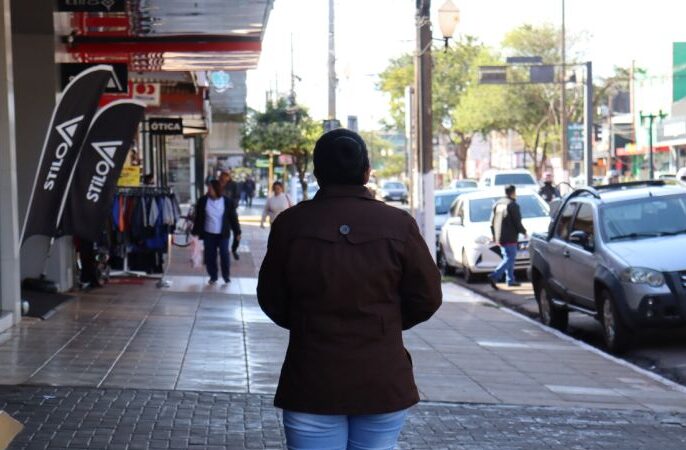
(41, 284)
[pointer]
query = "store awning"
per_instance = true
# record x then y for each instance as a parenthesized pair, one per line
(634, 150)
(167, 35)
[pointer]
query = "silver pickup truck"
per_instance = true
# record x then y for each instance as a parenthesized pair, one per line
(618, 253)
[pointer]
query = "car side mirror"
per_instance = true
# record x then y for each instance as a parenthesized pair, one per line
(582, 239)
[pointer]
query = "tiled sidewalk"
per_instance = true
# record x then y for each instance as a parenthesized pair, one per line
(196, 337)
(133, 419)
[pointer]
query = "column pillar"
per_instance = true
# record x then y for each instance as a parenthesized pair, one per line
(10, 294)
(36, 88)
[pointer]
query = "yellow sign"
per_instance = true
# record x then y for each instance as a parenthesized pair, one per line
(130, 176)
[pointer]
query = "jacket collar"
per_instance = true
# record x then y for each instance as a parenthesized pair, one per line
(344, 191)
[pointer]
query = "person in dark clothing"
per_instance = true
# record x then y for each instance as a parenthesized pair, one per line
(346, 274)
(548, 191)
(230, 188)
(249, 187)
(506, 226)
(215, 219)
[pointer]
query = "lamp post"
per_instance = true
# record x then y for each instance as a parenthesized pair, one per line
(448, 19)
(651, 120)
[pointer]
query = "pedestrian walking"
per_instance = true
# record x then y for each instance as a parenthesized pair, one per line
(276, 204)
(215, 219)
(506, 226)
(549, 191)
(250, 188)
(346, 274)
(230, 188)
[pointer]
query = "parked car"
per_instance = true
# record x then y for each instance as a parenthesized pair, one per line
(445, 201)
(466, 239)
(616, 253)
(517, 177)
(460, 184)
(393, 191)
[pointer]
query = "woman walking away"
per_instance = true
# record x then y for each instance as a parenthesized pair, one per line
(346, 274)
(276, 204)
(215, 219)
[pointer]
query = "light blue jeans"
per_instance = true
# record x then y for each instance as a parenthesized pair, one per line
(331, 432)
(509, 253)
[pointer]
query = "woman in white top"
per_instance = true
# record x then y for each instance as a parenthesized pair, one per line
(215, 220)
(276, 204)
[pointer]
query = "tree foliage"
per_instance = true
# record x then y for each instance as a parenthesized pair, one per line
(284, 127)
(461, 108)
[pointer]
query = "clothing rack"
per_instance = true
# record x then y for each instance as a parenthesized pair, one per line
(145, 191)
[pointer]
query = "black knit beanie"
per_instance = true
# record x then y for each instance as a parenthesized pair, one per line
(340, 157)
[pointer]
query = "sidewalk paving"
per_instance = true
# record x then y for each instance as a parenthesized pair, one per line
(133, 419)
(132, 354)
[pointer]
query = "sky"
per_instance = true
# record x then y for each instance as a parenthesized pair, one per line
(369, 33)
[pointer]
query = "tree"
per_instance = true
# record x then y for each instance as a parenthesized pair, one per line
(461, 107)
(535, 108)
(284, 127)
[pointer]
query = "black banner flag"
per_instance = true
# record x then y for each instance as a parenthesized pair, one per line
(99, 166)
(70, 120)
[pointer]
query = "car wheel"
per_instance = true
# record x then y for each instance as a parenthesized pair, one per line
(469, 276)
(615, 331)
(445, 268)
(551, 315)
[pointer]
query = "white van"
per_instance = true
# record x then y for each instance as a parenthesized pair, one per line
(517, 177)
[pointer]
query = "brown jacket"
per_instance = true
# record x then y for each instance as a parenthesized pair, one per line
(346, 274)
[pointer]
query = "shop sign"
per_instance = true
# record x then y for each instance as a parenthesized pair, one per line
(575, 142)
(97, 6)
(117, 84)
(165, 125)
(285, 160)
(262, 163)
(148, 93)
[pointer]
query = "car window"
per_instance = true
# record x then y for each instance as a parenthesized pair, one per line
(393, 185)
(503, 179)
(480, 209)
(584, 220)
(562, 229)
(531, 207)
(644, 218)
(444, 201)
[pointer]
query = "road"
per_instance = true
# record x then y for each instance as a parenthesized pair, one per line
(661, 351)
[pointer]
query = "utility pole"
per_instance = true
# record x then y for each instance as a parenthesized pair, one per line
(563, 100)
(424, 122)
(332, 65)
(588, 122)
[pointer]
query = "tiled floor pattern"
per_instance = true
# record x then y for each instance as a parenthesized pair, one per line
(135, 419)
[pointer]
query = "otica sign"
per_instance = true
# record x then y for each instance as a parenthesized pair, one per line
(165, 125)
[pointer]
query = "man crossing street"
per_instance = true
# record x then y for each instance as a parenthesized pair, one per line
(506, 226)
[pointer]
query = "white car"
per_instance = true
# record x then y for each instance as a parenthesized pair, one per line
(516, 177)
(466, 239)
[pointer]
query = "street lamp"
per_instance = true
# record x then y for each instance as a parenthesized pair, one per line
(448, 18)
(651, 120)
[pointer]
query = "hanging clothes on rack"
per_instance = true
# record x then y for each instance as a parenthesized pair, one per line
(142, 220)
